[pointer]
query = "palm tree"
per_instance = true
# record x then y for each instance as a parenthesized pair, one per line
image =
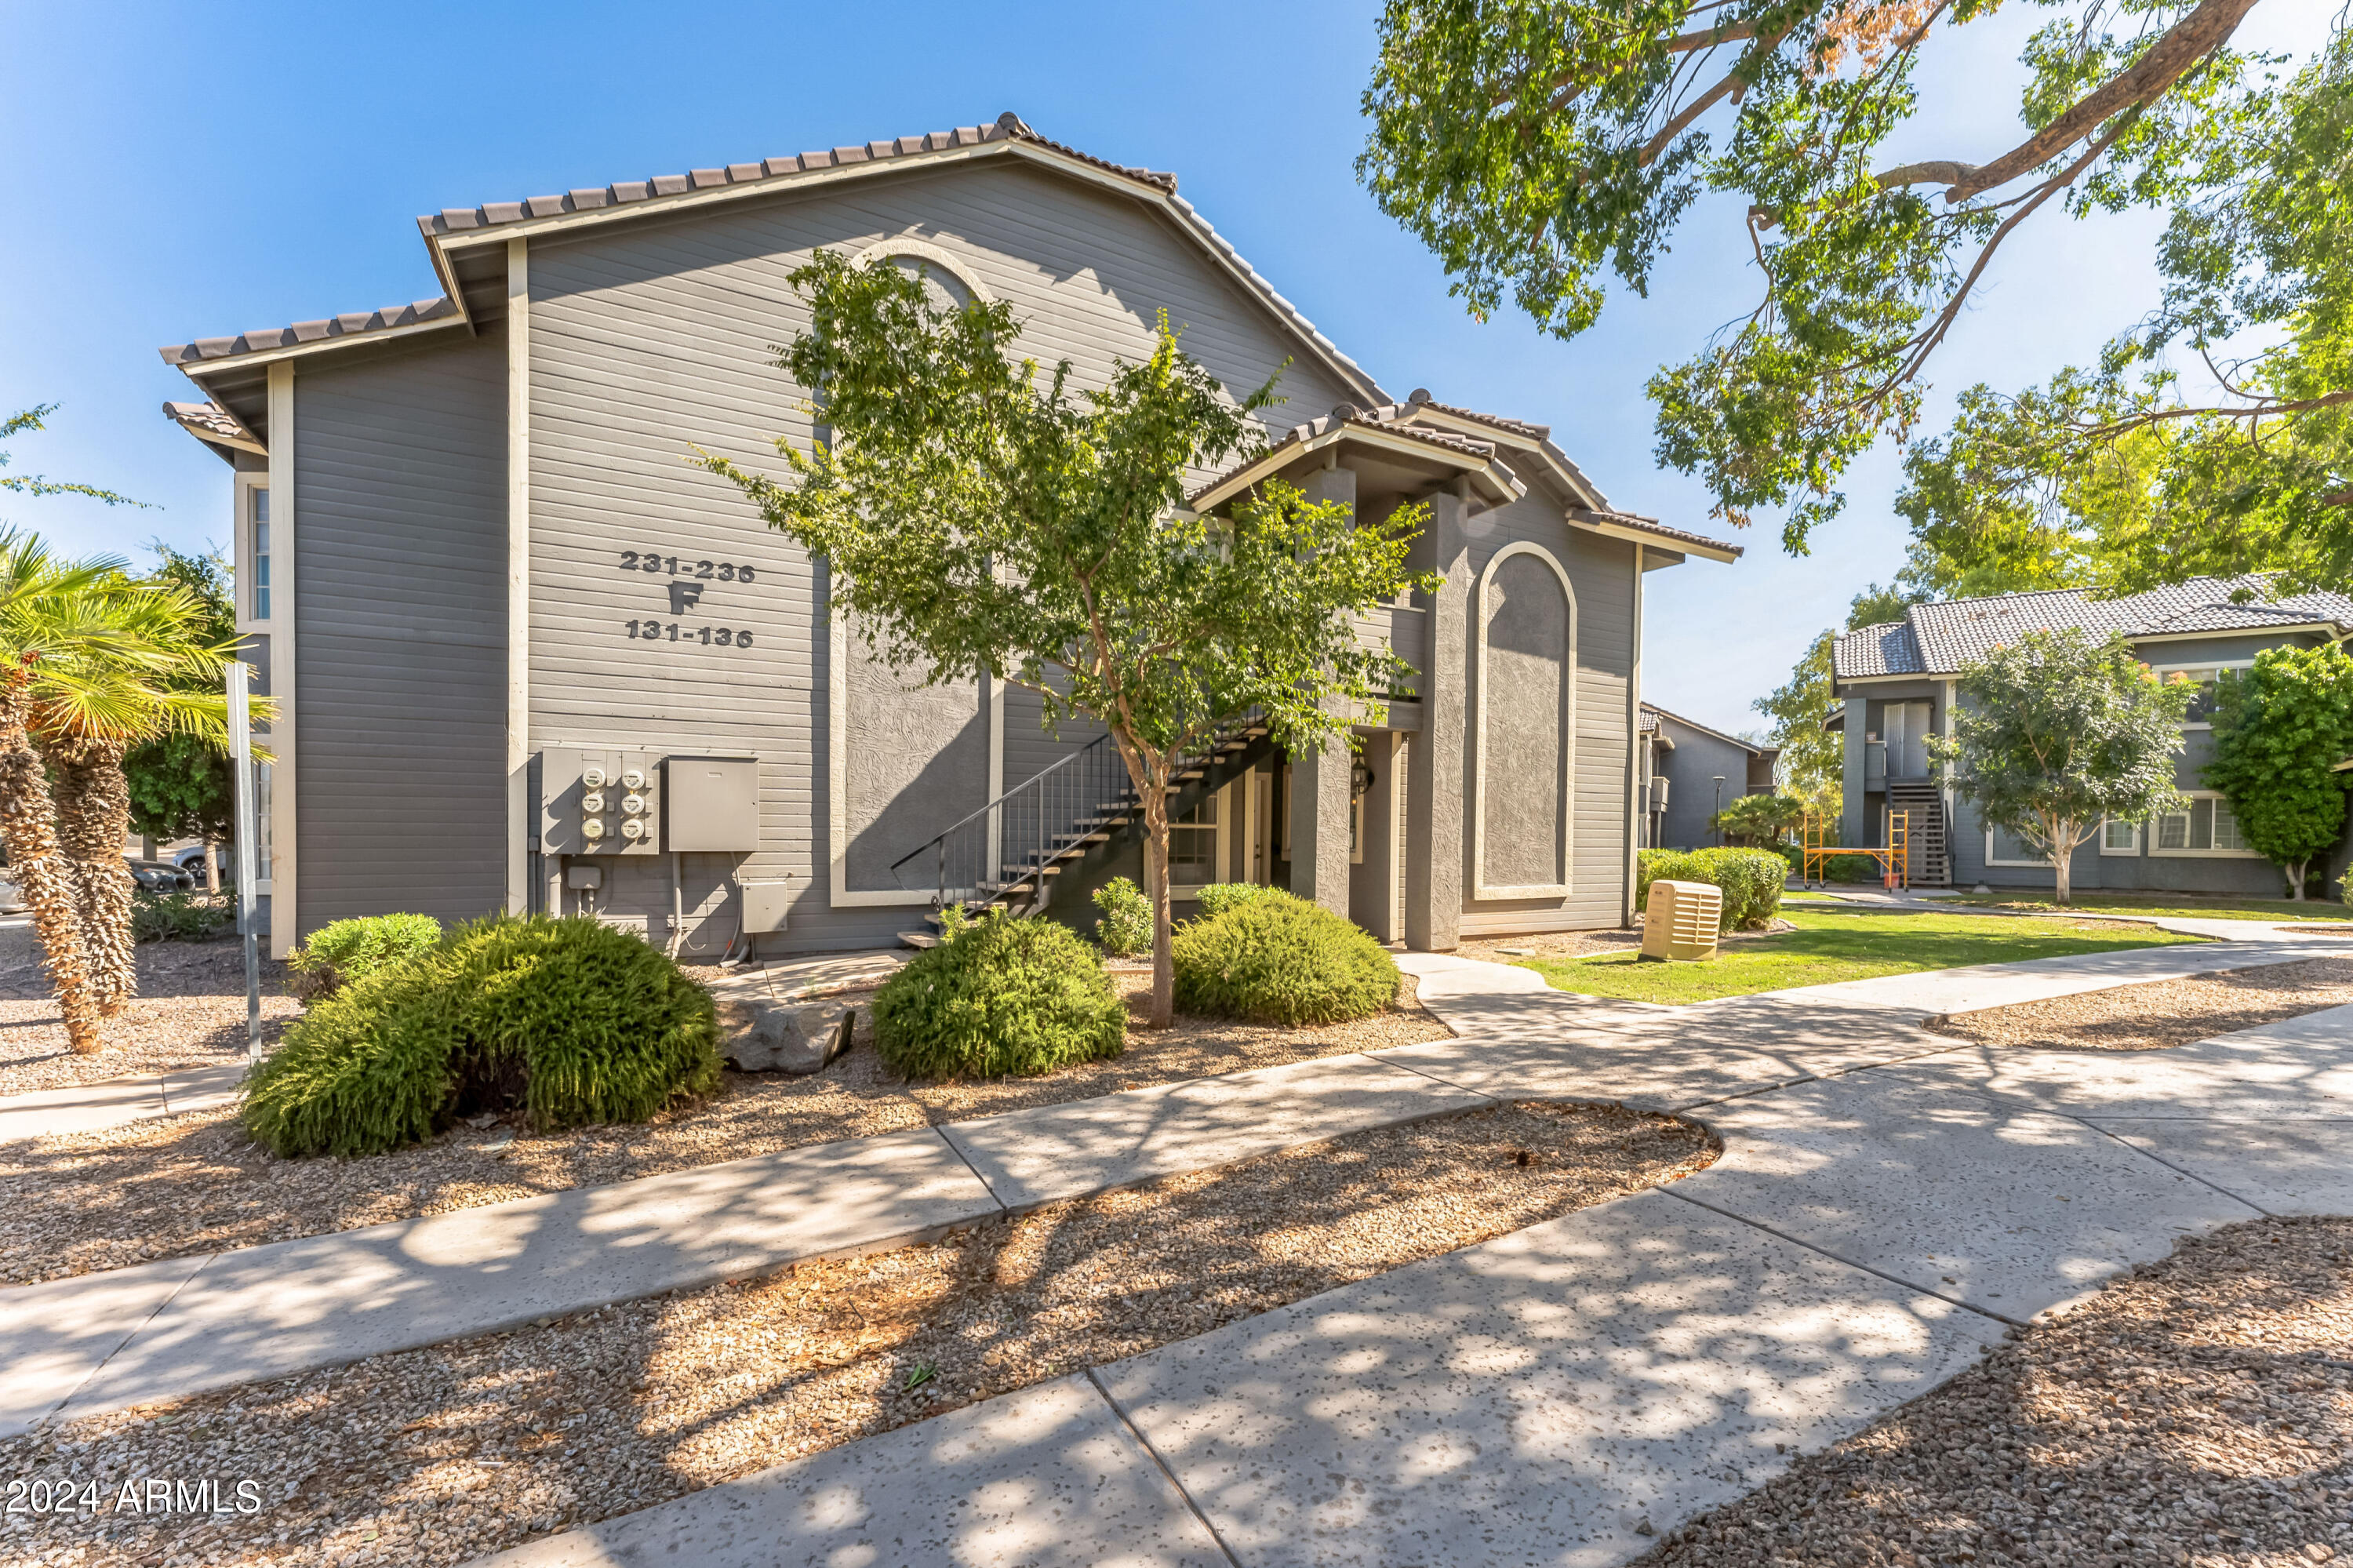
(54, 628)
(156, 675)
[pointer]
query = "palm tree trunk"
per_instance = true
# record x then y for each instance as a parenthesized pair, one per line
(28, 829)
(93, 810)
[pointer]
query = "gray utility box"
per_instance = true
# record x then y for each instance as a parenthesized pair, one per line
(714, 804)
(596, 800)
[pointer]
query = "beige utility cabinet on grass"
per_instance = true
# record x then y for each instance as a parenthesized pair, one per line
(1682, 920)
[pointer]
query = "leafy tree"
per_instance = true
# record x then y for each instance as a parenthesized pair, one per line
(2055, 732)
(2280, 729)
(977, 519)
(182, 785)
(2125, 474)
(1535, 143)
(1759, 819)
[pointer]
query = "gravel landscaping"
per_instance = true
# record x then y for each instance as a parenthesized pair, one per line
(2197, 1414)
(189, 1012)
(441, 1455)
(2161, 1013)
(179, 1185)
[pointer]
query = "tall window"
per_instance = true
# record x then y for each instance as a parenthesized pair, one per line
(259, 527)
(1193, 846)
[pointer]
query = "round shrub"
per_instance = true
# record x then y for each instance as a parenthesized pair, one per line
(1125, 928)
(345, 951)
(569, 1020)
(1750, 880)
(1281, 959)
(1220, 897)
(1002, 998)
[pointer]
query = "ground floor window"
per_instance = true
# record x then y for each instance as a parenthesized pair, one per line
(2006, 848)
(2119, 838)
(1194, 840)
(2208, 827)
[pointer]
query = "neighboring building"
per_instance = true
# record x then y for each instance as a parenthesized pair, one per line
(1683, 761)
(1896, 683)
(507, 624)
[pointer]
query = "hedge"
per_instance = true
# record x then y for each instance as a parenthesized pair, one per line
(1750, 880)
(569, 1020)
(1000, 997)
(1281, 960)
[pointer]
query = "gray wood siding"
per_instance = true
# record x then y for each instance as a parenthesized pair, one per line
(1601, 570)
(650, 340)
(400, 607)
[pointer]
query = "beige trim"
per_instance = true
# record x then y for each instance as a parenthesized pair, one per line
(923, 250)
(232, 442)
(284, 843)
(1502, 489)
(196, 368)
(1424, 413)
(1634, 790)
(837, 762)
(1667, 542)
(243, 556)
(1482, 610)
(523, 829)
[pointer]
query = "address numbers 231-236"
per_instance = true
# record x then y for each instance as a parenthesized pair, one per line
(659, 565)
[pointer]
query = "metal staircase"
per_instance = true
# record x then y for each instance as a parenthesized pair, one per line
(1931, 859)
(1063, 821)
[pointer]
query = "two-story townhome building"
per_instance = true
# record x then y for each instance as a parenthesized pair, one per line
(526, 656)
(1688, 772)
(1896, 684)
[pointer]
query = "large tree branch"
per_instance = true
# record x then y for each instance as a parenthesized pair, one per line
(2261, 409)
(2188, 41)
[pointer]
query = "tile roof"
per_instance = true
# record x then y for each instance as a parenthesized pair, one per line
(1009, 128)
(1653, 525)
(1939, 639)
(1517, 427)
(1651, 713)
(356, 322)
(1388, 418)
(208, 420)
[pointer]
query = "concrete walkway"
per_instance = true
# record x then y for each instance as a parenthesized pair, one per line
(90, 1108)
(1886, 1206)
(1885, 1203)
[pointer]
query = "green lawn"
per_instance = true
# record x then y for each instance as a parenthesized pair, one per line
(2162, 904)
(1842, 947)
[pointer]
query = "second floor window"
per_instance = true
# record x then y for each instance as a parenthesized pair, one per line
(261, 527)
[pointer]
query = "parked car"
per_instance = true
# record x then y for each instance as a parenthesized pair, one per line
(159, 876)
(192, 860)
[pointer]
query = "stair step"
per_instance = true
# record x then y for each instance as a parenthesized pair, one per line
(924, 940)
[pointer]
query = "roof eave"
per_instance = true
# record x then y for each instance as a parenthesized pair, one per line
(1499, 485)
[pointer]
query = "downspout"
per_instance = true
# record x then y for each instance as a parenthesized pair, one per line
(1633, 744)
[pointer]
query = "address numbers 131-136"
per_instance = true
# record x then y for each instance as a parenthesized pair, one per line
(708, 636)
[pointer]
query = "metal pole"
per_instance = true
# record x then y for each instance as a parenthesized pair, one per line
(240, 746)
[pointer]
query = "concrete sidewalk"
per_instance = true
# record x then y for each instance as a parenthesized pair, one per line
(90, 1108)
(1568, 1394)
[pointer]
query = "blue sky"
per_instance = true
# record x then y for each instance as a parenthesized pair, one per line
(183, 170)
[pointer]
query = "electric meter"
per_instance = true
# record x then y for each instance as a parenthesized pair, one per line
(633, 778)
(633, 804)
(593, 829)
(591, 778)
(593, 801)
(634, 828)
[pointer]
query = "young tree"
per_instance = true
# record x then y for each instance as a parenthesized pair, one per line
(2280, 730)
(979, 520)
(2056, 732)
(1535, 145)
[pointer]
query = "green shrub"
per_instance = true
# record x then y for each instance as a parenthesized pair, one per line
(345, 951)
(1750, 881)
(1281, 959)
(1007, 998)
(1851, 868)
(1125, 928)
(177, 917)
(1220, 897)
(569, 1018)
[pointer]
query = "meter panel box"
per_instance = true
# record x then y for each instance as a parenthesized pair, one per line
(600, 801)
(714, 804)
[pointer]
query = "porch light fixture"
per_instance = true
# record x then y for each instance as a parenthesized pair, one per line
(1360, 779)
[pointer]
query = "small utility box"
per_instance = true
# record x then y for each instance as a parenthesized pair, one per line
(1680, 920)
(714, 804)
(765, 905)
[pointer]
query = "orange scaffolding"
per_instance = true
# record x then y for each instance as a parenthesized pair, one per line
(1815, 850)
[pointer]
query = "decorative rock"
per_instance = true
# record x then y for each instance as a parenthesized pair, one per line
(762, 1036)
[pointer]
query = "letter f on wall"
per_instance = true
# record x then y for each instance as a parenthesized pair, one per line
(684, 596)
